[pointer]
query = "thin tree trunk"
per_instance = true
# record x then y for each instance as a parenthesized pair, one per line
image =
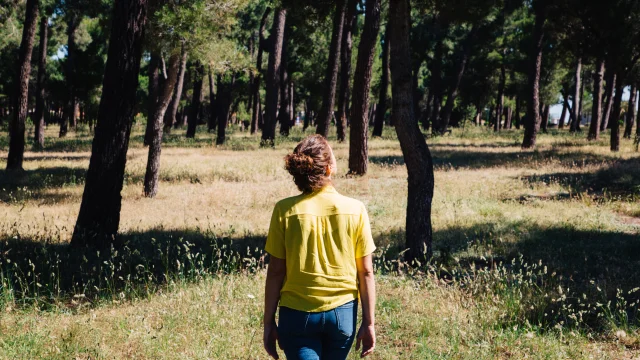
(384, 86)
(196, 102)
(416, 153)
(153, 90)
(99, 215)
(465, 52)
(350, 21)
(38, 119)
(533, 105)
(256, 111)
(331, 75)
(545, 118)
(211, 125)
(171, 116)
(436, 80)
(631, 112)
(615, 119)
(157, 119)
(611, 86)
(358, 133)
(284, 114)
(580, 106)
(596, 111)
(565, 107)
(16, 127)
(225, 93)
(576, 96)
(500, 105)
(518, 119)
(273, 78)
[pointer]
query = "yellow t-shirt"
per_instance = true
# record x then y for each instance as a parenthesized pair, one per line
(320, 235)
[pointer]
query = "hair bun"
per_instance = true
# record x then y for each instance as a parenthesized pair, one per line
(299, 164)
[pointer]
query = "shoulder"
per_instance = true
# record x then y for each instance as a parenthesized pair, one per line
(286, 204)
(350, 205)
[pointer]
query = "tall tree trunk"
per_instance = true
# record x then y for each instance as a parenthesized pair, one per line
(500, 99)
(533, 105)
(596, 111)
(284, 114)
(16, 127)
(38, 118)
(292, 103)
(225, 93)
(350, 21)
(99, 215)
(518, 119)
(273, 78)
(631, 113)
(580, 106)
(157, 119)
(255, 91)
(436, 79)
(153, 90)
(611, 86)
(615, 119)
(464, 54)
(171, 117)
(562, 115)
(331, 75)
(416, 153)
(358, 133)
(545, 118)
(196, 102)
(73, 20)
(213, 118)
(576, 96)
(384, 86)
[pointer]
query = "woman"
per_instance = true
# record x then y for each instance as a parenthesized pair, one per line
(320, 245)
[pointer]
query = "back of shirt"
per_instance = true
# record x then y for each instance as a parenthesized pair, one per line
(320, 235)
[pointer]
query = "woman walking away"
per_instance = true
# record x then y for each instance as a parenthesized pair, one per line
(320, 245)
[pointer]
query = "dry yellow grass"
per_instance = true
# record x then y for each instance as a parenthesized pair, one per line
(491, 199)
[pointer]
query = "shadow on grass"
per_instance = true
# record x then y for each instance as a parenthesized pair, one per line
(31, 184)
(617, 178)
(43, 272)
(456, 159)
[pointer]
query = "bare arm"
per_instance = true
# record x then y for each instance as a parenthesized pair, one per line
(275, 277)
(367, 288)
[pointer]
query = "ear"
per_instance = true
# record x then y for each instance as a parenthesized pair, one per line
(328, 170)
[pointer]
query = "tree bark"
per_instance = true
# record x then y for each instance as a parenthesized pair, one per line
(196, 101)
(21, 107)
(563, 114)
(384, 87)
(171, 116)
(576, 96)
(255, 92)
(358, 133)
(436, 78)
(545, 118)
(350, 21)
(99, 215)
(153, 90)
(611, 86)
(331, 75)
(38, 118)
(517, 115)
(615, 120)
(73, 20)
(596, 111)
(284, 114)
(465, 52)
(631, 112)
(273, 78)
(225, 98)
(500, 101)
(213, 116)
(533, 105)
(580, 106)
(416, 153)
(157, 119)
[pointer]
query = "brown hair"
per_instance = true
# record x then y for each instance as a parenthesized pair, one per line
(308, 163)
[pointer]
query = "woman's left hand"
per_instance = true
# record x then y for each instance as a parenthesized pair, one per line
(269, 339)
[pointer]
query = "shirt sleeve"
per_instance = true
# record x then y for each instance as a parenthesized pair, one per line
(275, 238)
(364, 241)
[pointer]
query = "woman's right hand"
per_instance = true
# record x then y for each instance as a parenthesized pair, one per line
(367, 338)
(269, 339)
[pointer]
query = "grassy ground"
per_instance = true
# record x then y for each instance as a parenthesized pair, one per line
(537, 252)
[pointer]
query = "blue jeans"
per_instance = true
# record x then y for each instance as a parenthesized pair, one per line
(322, 335)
